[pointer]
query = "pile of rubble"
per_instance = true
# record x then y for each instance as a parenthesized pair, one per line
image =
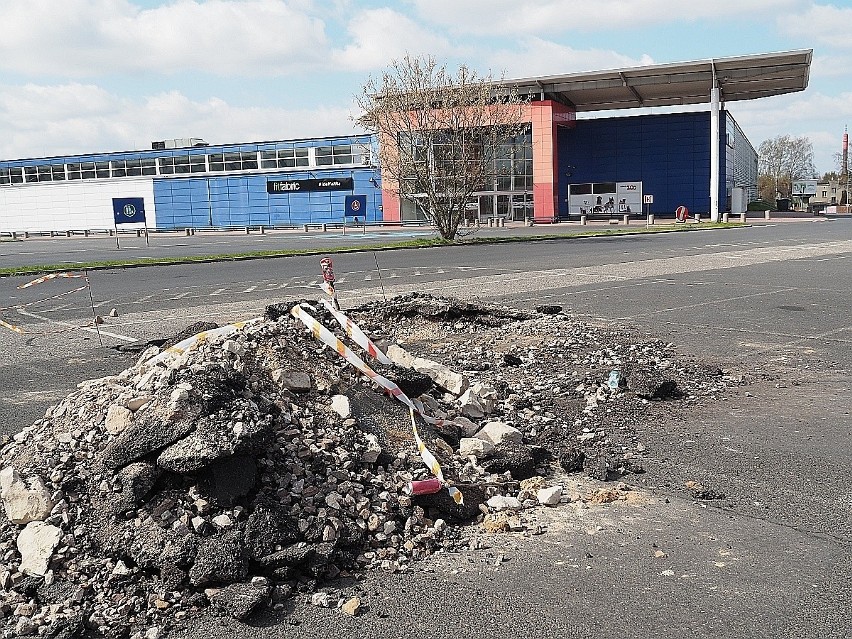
(260, 465)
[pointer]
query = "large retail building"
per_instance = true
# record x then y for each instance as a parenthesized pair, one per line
(563, 167)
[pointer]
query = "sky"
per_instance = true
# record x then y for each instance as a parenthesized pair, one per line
(79, 76)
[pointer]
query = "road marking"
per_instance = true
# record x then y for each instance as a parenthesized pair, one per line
(180, 296)
(249, 289)
(218, 291)
(81, 328)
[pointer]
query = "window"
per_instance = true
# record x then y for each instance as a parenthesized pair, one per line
(238, 161)
(183, 164)
(283, 158)
(13, 175)
(331, 155)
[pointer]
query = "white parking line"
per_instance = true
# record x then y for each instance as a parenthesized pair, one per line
(82, 328)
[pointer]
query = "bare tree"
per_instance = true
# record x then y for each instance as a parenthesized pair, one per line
(781, 160)
(438, 134)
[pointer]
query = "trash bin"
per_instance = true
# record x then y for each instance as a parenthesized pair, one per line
(783, 204)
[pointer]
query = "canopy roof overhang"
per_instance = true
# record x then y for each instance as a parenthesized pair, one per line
(740, 78)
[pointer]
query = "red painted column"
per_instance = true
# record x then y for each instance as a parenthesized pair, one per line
(546, 116)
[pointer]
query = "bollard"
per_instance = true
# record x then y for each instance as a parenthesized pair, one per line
(766, 215)
(698, 217)
(726, 217)
(583, 220)
(490, 222)
(51, 234)
(193, 231)
(86, 233)
(26, 235)
(627, 219)
(187, 232)
(67, 233)
(138, 233)
(324, 227)
(742, 218)
(650, 219)
(14, 235)
(306, 228)
(263, 230)
(248, 231)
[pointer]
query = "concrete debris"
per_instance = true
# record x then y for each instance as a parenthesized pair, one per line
(352, 607)
(479, 448)
(340, 405)
(549, 496)
(440, 374)
(118, 418)
(36, 543)
(497, 432)
(24, 501)
(235, 475)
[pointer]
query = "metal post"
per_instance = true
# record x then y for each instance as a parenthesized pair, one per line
(714, 147)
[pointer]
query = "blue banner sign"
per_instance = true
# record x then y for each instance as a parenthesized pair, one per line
(356, 206)
(128, 210)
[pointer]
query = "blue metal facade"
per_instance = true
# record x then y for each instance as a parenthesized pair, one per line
(668, 153)
(198, 187)
(242, 200)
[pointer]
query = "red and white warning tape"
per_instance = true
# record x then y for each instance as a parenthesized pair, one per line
(191, 342)
(52, 276)
(328, 338)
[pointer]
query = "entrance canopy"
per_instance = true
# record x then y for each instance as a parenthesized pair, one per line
(739, 78)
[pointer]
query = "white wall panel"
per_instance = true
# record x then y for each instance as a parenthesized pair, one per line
(77, 205)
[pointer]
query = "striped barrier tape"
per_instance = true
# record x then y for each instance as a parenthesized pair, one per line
(12, 327)
(328, 338)
(52, 276)
(356, 334)
(191, 342)
(47, 299)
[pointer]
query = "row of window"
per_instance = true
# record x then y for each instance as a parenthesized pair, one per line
(343, 154)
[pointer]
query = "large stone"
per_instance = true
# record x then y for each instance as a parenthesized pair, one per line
(479, 448)
(477, 401)
(269, 526)
(549, 496)
(220, 559)
(240, 600)
(144, 436)
(454, 382)
(118, 418)
(214, 439)
(297, 381)
(503, 502)
(499, 432)
(340, 405)
(467, 428)
(134, 481)
(516, 459)
(36, 543)
(24, 501)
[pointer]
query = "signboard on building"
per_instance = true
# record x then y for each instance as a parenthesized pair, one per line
(804, 187)
(605, 198)
(282, 187)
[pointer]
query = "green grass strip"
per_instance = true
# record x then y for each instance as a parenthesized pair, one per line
(41, 269)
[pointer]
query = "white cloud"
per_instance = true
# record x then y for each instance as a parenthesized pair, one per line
(75, 118)
(818, 116)
(381, 35)
(513, 17)
(85, 38)
(825, 24)
(536, 57)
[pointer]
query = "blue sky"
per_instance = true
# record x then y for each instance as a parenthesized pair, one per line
(102, 75)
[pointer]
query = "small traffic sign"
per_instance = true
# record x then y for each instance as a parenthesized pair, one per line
(647, 199)
(682, 213)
